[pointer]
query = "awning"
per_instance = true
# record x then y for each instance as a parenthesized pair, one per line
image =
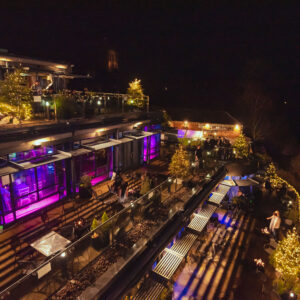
(44, 160)
(124, 140)
(8, 170)
(216, 198)
(228, 182)
(107, 144)
(140, 135)
(79, 152)
(223, 189)
(247, 182)
(103, 145)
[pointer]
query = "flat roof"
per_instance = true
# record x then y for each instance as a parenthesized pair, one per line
(143, 134)
(8, 170)
(202, 116)
(44, 160)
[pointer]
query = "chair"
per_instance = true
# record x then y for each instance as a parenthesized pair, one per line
(67, 232)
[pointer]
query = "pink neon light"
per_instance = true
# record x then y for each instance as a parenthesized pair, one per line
(96, 180)
(32, 208)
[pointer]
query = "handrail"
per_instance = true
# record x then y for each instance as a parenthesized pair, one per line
(2, 293)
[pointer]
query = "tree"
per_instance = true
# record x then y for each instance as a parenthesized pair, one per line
(276, 182)
(286, 260)
(180, 165)
(16, 98)
(136, 94)
(65, 105)
(241, 146)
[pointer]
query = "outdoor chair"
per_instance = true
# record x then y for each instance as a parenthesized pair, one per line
(68, 232)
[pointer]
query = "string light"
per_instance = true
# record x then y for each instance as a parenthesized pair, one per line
(276, 181)
(286, 257)
(241, 146)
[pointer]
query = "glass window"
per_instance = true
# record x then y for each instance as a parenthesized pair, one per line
(101, 157)
(30, 154)
(46, 175)
(154, 146)
(24, 182)
(51, 178)
(84, 165)
(5, 193)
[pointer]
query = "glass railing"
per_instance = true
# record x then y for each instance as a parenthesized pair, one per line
(153, 208)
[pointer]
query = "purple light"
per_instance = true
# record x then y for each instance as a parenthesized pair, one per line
(31, 208)
(36, 206)
(145, 149)
(96, 180)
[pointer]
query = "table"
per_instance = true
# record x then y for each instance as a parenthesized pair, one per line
(50, 243)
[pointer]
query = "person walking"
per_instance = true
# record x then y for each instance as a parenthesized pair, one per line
(275, 224)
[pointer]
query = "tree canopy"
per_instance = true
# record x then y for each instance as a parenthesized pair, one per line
(286, 260)
(241, 146)
(136, 94)
(180, 165)
(15, 96)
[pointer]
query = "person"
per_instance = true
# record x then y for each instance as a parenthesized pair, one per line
(275, 224)
(124, 190)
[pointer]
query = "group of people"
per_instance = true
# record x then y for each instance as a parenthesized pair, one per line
(210, 144)
(217, 148)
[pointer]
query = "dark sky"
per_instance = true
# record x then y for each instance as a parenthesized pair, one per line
(199, 52)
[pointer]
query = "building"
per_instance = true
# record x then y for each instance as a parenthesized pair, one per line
(40, 73)
(42, 166)
(204, 124)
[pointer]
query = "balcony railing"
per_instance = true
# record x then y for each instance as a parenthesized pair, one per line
(86, 104)
(53, 273)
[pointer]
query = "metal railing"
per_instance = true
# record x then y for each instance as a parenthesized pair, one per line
(96, 103)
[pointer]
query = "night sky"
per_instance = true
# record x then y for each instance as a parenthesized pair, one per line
(194, 55)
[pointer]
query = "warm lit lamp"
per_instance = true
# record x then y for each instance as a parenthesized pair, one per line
(237, 127)
(40, 141)
(207, 126)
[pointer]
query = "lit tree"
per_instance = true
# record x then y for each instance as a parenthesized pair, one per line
(276, 182)
(16, 96)
(272, 176)
(180, 165)
(241, 146)
(286, 260)
(136, 94)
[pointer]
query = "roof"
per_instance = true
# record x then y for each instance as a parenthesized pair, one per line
(202, 116)
(30, 60)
